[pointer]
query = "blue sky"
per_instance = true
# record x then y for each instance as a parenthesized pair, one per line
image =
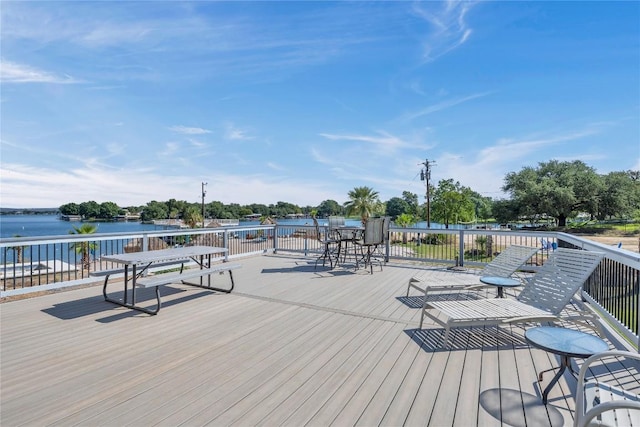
(303, 101)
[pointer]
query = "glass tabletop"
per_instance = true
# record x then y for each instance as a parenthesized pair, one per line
(499, 281)
(565, 341)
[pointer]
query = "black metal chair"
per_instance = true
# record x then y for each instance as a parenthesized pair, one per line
(330, 247)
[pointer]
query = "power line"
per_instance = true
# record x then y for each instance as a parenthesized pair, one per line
(425, 175)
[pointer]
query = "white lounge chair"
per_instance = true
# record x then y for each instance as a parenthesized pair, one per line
(542, 298)
(604, 404)
(504, 265)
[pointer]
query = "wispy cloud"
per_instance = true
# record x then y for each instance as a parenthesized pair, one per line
(383, 140)
(11, 72)
(189, 130)
(442, 106)
(507, 150)
(275, 166)
(449, 29)
(169, 149)
(234, 133)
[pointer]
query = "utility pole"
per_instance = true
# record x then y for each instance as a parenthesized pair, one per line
(425, 175)
(203, 194)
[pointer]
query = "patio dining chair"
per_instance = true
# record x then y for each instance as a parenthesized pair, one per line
(335, 222)
(611, 402)
(329, 246)
(372, 237)
(543, 298)
(504, 265)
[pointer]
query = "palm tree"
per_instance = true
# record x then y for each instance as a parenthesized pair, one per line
(192, 217)
(363, 202)
(18, 250)
(84, 248)
(405, 220)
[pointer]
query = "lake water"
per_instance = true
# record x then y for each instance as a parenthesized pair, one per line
(50, 225)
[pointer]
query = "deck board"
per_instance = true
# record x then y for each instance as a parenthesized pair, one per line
(292, 345)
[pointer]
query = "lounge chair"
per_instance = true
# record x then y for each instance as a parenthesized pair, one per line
(542, 299)
(504, 265)
(602, 403)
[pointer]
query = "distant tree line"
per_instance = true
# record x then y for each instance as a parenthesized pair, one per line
(553, 190)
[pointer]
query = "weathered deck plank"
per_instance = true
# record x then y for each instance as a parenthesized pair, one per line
(291, 346)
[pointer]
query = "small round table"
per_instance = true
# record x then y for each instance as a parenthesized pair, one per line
(500, 282)
(566, 343)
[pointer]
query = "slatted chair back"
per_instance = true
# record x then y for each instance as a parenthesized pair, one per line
(335, 222)
(508, 261)
(559, 278)
(373, 232)
(385, 228)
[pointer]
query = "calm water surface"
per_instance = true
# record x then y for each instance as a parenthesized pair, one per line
(50, 225)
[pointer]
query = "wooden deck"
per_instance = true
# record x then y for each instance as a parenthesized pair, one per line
(290, 346)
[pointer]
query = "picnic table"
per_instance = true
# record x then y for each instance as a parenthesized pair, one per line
(136, 264)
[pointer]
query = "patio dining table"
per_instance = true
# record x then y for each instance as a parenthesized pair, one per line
(346, 234)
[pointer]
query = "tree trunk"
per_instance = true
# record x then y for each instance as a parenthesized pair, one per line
(562, 221)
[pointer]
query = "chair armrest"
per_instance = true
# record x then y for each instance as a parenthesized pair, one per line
(584, 418)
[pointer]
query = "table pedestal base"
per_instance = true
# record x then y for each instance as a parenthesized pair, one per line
(565, 362)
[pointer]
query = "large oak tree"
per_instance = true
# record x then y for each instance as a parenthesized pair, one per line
(558, 189)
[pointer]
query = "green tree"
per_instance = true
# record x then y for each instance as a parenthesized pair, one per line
(557, 189)
(412, 202)
(84, 249)
(192, 216)
(620, 196)
(405, 220)
(89, 209)
(328, 208)
(18, 250)
(482, 205)
(154, 210)
(505, 211)
(108, 210)
(70, 209)
(451, 202)
(363, 201)
(396, 206)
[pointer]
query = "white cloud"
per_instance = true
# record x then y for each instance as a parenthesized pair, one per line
(189, 130)
(449, 29)
(384, 140)
(234, 133)
(170, 148)
(442, 106)
(27, 186)
(11, 72)
(275, 166)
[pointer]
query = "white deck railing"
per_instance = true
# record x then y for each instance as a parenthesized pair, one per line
(51, 262)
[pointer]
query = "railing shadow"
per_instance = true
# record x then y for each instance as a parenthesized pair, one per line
(463, 339)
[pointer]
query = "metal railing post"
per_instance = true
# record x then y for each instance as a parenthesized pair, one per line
(461, 248)
(225, 244)
(275, 238)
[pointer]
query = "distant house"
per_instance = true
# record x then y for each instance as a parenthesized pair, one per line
(71, 217)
